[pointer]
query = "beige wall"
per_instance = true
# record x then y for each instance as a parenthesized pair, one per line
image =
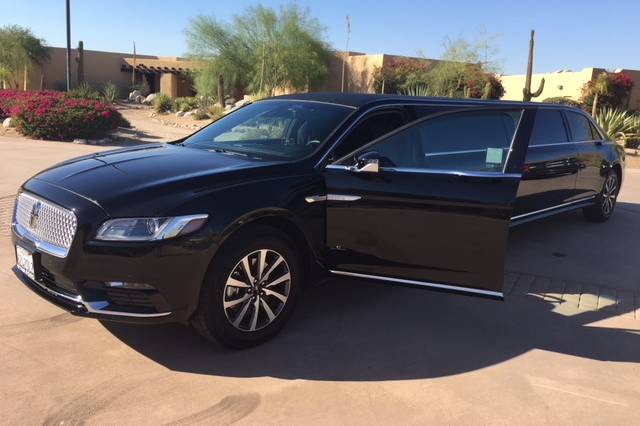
(100, 68)
(565, 84)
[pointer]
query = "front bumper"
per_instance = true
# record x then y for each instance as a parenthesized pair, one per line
(174, 268)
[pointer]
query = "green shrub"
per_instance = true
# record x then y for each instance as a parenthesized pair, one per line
(110, 92)
(201, 115)
(215, 111)
(559, 100)
(162, 103)
(84, 91)
(186, 104)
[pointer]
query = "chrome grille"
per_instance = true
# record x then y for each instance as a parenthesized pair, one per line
(51, 227)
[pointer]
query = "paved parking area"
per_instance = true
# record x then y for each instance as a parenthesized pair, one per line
(563, 348)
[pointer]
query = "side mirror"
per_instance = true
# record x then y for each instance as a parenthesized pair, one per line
(368, 162)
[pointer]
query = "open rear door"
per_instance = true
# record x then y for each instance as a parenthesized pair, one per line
(429, 204)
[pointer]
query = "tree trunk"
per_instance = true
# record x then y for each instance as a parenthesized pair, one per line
(221, 90)
(594, 108)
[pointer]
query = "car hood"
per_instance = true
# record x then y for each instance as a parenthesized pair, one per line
(136, 180)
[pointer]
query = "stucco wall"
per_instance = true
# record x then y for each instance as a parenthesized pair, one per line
(566, 84)
(99, 68)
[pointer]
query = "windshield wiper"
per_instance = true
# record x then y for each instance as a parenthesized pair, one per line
(227, 151)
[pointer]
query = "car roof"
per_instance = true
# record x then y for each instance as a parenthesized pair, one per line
(359, 100)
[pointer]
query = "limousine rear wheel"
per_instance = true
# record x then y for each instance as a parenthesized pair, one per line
(251, 289)
(602, 210)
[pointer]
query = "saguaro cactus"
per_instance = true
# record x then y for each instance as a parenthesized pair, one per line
(80, 62)
(527, 84)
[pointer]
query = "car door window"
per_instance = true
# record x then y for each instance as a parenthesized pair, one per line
(369, 129)
(579, 126)
(548, 128)
(465, 141)
(595, 134)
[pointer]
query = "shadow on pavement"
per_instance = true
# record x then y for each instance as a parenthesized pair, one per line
(366, 331)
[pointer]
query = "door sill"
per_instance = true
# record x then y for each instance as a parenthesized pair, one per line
(435, 286)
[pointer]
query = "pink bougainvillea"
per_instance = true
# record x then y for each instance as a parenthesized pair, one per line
(54, 115)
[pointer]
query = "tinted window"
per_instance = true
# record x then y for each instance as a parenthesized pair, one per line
(580, 127)
(423, 111)
(471, 141)
(595, 134)
(280, 129)
(369, 129)
(548, 128)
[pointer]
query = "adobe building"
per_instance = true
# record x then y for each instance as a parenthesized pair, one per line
(567, 84)
(162, 74)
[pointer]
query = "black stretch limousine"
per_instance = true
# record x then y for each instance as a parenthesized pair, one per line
(221, 229)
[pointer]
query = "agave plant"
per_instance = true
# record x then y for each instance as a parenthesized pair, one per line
(417, 90)
(616, 121)
(110, 93)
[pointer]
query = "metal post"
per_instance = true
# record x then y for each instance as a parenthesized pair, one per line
(68, 45)
(346, 53)
(221, 91)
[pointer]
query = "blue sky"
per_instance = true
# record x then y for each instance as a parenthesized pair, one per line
(570, 34)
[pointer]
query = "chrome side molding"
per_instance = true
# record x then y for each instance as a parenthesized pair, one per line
(548, 209)
(448, 287)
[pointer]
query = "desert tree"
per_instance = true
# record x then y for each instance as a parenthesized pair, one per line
(20, 51)
(259, 51)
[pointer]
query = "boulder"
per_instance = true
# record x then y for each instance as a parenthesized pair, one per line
(80, 141)
(149, 99)
(134, 95)
(7, 123)
(190, 113)
(241, 102)
(180, 114)
(139, 99)
(229, 101)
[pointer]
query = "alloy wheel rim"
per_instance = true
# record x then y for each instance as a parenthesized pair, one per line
(257, 290)
(609, 195)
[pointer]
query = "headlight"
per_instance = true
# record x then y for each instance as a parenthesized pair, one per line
(149, 228)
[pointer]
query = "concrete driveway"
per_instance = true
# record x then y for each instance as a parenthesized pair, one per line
(563, 348)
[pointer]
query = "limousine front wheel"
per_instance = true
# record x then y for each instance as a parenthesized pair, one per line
(251, 289)
(605, 201)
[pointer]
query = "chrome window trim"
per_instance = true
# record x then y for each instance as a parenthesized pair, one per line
(581, 200)
(422, 283)
(307, 101)
(96, 307)
(566, 143)
(498, 175)
(466, 151)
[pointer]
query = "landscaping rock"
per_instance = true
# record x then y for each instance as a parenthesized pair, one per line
(134, 95)
(241, 102)
(229, 101)
(139, 99)
(7, 123)
(180, 114)
(149, 99)
(190, 113)
(80, 141)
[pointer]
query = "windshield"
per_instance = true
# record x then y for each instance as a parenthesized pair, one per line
(272, 129)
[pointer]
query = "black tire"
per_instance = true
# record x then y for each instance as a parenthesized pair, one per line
(605, 202)
(215, 322)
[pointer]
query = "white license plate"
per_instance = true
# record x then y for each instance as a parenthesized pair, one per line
(24, 262)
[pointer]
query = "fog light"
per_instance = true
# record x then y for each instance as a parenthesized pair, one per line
(129, 285)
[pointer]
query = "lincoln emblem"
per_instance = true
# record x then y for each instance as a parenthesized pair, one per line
(35, 212)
